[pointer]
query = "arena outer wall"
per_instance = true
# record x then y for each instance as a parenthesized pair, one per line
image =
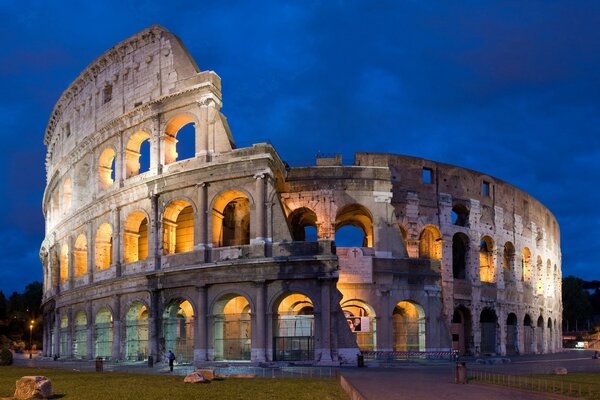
(230, 254)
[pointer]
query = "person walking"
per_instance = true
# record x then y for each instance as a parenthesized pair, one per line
(171, 358)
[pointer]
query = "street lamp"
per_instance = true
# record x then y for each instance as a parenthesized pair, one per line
(30, 342)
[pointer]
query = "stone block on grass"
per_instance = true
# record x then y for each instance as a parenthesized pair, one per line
(33, 387)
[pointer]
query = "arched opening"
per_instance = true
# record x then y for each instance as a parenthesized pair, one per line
(294, 329)
(539, 285)
(64, 263)
(178, 329)
(138, 142)
(488, 323)
(231, 219)
(539, 335)
(460, 215)
(232, 334)
(80, 341)
(462, 335)
(408, 321)
(361, 321)
(135, 238)
(178, 227)
(103, 253)
(508, 262)
(104, 333)
(64, 336)
(526, 264)
(512, 341)
(303, 223)
(460, 250)
(180, 139)
(430, 243)
(136, 332)
(528, 335)
(67, 196)
(106, 168)
(487, 270)
(80, 257)
(356, 216)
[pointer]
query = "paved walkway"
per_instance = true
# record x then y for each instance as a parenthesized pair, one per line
(426, 383)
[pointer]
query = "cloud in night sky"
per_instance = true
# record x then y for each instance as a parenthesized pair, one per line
(508, 88)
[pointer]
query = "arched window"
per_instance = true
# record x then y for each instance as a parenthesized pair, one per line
(138, 142)
(178, 328)
(135, 238)
(508, 262)
(528, 335)
(294, 328)
(180, 138)
(460, 215)
(136, 332)
(80, 257)
(231, 219)
(361, 320)
(460, 250)
(512, 338)
(104, 333)
(488, 322)
(80, 341)
(64, 263)
(526, 263)
(487, 270)
(233, 329)
(303, 223)
(103, 248)
(408, 327)
(430, 243)
(178, 227)
(106, 168)
(67, 195)
(357, 216)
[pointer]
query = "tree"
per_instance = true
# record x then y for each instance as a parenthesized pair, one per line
(577, 309)
(3, 306)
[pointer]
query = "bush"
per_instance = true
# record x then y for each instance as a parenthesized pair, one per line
(6, 357)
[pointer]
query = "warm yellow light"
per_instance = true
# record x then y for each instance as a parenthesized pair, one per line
(32, 322)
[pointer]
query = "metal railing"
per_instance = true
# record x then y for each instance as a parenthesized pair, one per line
(390, 356)
(538, 383)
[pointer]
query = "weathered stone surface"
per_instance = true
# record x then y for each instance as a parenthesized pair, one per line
(195, 377)
(208, 374)
(33, 387)
(560, 371)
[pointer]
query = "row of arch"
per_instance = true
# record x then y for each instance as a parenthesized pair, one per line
(178, 142)
(518, 336)
(232, 330)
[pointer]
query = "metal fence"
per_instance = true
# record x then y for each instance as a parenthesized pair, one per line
(538, 383)
(390, 356)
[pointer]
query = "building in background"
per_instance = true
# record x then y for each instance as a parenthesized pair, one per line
(228, 254)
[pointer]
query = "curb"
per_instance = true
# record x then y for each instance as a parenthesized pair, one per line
(351, 391)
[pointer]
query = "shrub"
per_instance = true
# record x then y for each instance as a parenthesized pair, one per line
(6, 357)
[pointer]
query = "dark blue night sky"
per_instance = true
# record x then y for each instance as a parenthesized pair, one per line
(508, 88)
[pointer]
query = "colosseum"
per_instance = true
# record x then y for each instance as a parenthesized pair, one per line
(227, 253)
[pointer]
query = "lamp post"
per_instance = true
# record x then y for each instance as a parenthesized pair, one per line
(30, 336)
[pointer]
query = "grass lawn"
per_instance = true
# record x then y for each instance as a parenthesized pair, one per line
(117, 386)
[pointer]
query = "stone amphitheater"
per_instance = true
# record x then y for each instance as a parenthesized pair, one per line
(227, 253)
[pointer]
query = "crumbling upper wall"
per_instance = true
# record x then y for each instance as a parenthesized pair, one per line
(148, 65)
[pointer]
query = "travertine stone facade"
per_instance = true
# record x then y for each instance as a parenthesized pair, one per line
(230, 254)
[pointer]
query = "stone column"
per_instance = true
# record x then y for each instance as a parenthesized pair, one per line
(384, 323)
(259, 336)
(502, 327)
(91, 327)
(91, 253)
(153, 325)
(324, 350)
(117, 240)
(202, 243)
(71, 332)
(56, 349)
(260, 232)
(71, 262)
(200, 336)
(116, 328)
(156, 248)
